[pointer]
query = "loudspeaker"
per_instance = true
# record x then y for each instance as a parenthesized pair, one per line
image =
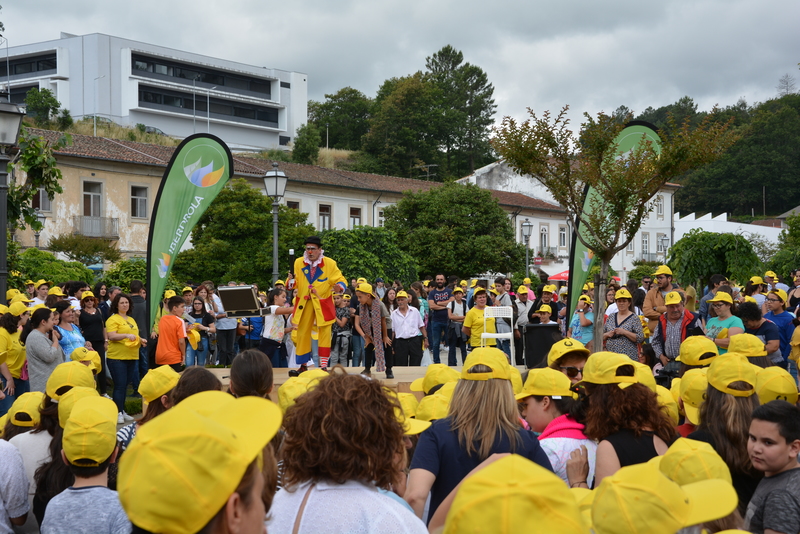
(538, 340)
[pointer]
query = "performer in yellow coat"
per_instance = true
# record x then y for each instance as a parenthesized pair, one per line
(315, 278)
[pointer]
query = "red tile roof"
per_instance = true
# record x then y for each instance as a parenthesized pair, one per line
(84, 146)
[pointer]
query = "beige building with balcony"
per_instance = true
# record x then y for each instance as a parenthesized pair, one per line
(110, 187)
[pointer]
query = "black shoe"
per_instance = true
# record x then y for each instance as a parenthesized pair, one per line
(366, 372)
(389, 374)
(294, 373)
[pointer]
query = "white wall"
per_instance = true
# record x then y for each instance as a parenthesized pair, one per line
(720, 224)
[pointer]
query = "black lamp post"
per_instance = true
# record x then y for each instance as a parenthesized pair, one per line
(275, 185)
(10, 123)
(527, 228)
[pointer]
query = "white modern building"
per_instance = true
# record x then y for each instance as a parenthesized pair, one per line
(721, 225)
(651, 242)
(130, 82)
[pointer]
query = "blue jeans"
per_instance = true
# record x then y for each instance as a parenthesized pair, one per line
(197, 356)
(438, 332)
(358, 350)
(505, 346)
(793, 370)
(122, 374)
(20, 387)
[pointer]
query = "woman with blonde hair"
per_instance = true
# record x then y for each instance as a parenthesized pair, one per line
(483, 420)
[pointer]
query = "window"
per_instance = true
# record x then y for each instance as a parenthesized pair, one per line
(562, 237)
(630, 247)
(41, 201)
(380, 218)
(29, 65)
(291, 204)
(286, 85)
(284, 140)
(324, 217)
(645, 243)
(661, 243)
(660, 207)
(138, 202)
(92, 195)
(355, 217)
(543, 241)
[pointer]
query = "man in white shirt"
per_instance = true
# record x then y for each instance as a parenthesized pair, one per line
(523, 305)
(407, 327)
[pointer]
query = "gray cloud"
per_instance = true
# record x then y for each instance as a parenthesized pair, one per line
(591, 55)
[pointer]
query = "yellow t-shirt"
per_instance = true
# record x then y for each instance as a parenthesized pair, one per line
(119, 350)
(474, 321)
(14, 355)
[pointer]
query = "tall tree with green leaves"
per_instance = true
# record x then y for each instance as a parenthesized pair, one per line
(546, 149)
(456, 229)
(305, 148)
(233, 239)
(699, 254)
(370, 252)
(343, 116)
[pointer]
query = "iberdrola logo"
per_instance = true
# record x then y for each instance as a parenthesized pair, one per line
(203, 176)
(163, 265)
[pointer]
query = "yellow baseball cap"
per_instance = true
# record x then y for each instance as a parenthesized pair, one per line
(747, 346)
(187, 289)
(688, 461)
(411, 425)
(545, 308)
(28, 404)
(20, 297)
(28, 282)
(463, 283)
(565, 346)
(194, 338)
(408, 401)
(516, 378)
(91, 431)
(3, 309)
(586, 298)
(474, 282)
(66, 376)
(643, 499)
(55, 290)
(748, 298)
(721, 296)
(694, 348)
(433, 407)
(491, 357)
(663, 269)
(169, 293)
(775, 383)
(693, 387)
(158, 382)
(601, 368)
(405, 414)
(361, 280)
(448, 389)
(644, 374)
(673, 297)
(547, 381)
(781, 294)
(87, 295)
(622, 293)
(3, 422)
(364, 287)
(41, 282)
(289, 391)
(281, 282)
(514, 495)
(730, 368)
(184, 464)
(402, 295)
(666, 401)
(549, 289)
(347, 296)
(18, 308)
(771, 274)
(756, 280)
(458, 290)
(675, 390)
(526, 281)
(522, 290)
(70, 399)
(435, 374)
(82, 354)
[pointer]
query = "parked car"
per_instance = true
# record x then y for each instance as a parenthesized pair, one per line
(154, 130)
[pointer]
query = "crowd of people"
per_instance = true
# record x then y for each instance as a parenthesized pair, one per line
(675, 421)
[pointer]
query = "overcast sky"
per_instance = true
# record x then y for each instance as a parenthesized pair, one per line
(589, 54)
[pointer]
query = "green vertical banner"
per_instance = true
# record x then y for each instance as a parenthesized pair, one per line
(199, 169)
(581, 258)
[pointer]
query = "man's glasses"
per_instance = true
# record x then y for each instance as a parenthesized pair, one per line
(720, 304)
(572, 372)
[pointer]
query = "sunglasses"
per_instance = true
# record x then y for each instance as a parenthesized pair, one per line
(572, 372)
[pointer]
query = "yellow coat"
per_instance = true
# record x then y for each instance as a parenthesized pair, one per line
(326, 277)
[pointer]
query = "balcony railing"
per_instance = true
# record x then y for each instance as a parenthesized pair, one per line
(649, 257)
(547, 252)
(105, 227)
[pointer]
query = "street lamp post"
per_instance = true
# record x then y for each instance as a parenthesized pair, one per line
(10, 123)
(664, 245)
(41, 219)
(275, 186)
(527, 228)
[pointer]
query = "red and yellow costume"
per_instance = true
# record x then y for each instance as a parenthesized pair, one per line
(315, 310)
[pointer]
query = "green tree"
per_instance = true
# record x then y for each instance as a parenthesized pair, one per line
(456, 229)
(42, 105)
(36, 264)
(121, 273)
(306, 145)
(36, 159)
(642, 269)
(87, 250)
(699, 254)
(369, 252)
(233, 239)
(405, 126)
(344, 115)
(677, 114)
(787, 258)
(565, 164)
(759, 173)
